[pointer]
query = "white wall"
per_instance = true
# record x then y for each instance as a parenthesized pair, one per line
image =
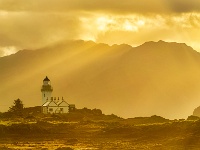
(45, 95)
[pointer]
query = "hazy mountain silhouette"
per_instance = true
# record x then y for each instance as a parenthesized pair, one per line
(196, 111)
(155, 78)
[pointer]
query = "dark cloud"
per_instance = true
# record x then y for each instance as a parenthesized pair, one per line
(181, 6)
(127, 6)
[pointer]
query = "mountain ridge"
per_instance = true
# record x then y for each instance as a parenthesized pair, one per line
(120, 79)
(92, 42)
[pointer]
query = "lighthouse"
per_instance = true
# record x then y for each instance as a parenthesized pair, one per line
(46, 90)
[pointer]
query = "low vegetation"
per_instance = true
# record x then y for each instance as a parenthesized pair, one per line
(90, 128)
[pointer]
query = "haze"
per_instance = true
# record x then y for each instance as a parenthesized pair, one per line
(130, 80)
(33, 24)
(156, 78)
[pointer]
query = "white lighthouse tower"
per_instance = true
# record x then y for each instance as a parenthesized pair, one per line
(46, 90)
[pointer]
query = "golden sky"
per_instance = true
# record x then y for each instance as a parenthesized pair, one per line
(31, 24)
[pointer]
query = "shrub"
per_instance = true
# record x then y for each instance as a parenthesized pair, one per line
(193, 118)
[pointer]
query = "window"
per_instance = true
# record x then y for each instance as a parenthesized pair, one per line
(50, 109)
(44, 95)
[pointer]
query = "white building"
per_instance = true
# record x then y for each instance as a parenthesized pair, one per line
(53, 105)
(46, 90)
(49, 107)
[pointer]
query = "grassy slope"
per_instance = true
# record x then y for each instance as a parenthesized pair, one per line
(92, 129)
(171, 135)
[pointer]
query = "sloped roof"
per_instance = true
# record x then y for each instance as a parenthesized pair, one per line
(49, 103)
(46, 103)
(63, 102)
(46, 79)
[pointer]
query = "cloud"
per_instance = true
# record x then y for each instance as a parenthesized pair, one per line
(4, 51)
(34, 30)
(137, 29)
(128, 6)
(34, 24)
(182, 6)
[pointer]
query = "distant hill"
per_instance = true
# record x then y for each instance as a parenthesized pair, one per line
(155, 78)
(196, 111)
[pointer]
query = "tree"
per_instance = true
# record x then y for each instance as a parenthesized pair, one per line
(17, 108)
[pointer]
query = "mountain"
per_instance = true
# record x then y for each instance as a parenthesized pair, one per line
(196, 112)
(155, 78)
